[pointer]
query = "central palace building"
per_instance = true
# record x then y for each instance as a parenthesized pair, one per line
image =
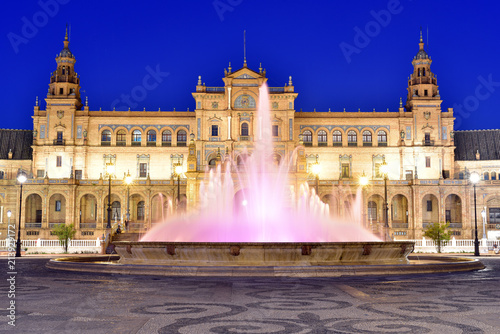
(67, 153)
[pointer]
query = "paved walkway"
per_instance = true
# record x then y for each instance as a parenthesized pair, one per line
(65, 302)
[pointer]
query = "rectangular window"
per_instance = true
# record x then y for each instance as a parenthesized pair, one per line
(408, 133)
(58, 206)
(215, 131)
(494, 215)
(445, 133)
(78, 174)
(275, 131)
(429, 206)
(428, 162)
(40, 173)
(143, 170)
(345, 171)
(42, 131)
(59, 161)
(409, 175)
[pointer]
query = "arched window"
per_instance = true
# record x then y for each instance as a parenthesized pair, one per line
(382, 138)
(352, 138)
(2, 175)
(486, 176)
(337, 138)
(121, 138)
(136, 138)
(106, 138)
(151, 138)
(493, 175)
(322, 141)
(212, 163)
(181, 138)
(166, 138)
(307, 137)
(244, 129)
(367, 138)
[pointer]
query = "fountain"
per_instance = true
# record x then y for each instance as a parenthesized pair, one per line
(261, 226)
(260, 220)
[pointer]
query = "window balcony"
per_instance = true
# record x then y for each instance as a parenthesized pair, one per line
(428, 142)
(367, 143)
(166, 143)
(382, 144)
(88, 225)
(104, 143)
(59, 142)
(151, 143)
(33, 225)
(136, 143)
(121, 143)
(322, 144)
(181, 144)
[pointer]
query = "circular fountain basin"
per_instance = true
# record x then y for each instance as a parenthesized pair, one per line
(209, 254)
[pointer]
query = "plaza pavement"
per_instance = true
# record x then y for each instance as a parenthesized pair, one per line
(49, 301)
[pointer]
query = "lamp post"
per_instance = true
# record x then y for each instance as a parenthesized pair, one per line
(363, 182)
(9, 213)
(110, 168)
(385, 172)
(178, 172)
(474, 178)
(316, 169)
(21, 178)
(128, 182)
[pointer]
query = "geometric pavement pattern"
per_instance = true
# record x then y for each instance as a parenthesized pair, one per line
(50, 301)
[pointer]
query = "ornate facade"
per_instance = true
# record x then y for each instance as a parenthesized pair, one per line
(72, 145)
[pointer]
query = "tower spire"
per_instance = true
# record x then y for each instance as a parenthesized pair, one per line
(244, 48)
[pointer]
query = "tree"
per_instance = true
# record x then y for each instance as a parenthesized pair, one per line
(65, 233)
(438, 232)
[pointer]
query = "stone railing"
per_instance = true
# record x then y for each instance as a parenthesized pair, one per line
(53, 246)
(452, 246)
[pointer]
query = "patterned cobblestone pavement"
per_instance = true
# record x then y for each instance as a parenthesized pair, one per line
(49, 301)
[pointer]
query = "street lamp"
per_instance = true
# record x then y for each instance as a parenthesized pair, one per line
(384, 169)
(21, 178)
(110, 169)
(474, 178)
(316, 169)
(178, 172)
(128, 182)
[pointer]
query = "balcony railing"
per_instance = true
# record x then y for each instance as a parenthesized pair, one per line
(181, 144)
(54, 224)
(166, 143)
(59, 142)
(428, 142)
(88, 225)
(33, 225)
(399, 225)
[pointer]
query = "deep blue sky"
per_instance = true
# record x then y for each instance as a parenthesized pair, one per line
(114, 42)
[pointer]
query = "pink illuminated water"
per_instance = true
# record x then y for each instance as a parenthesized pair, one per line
(261, 205)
